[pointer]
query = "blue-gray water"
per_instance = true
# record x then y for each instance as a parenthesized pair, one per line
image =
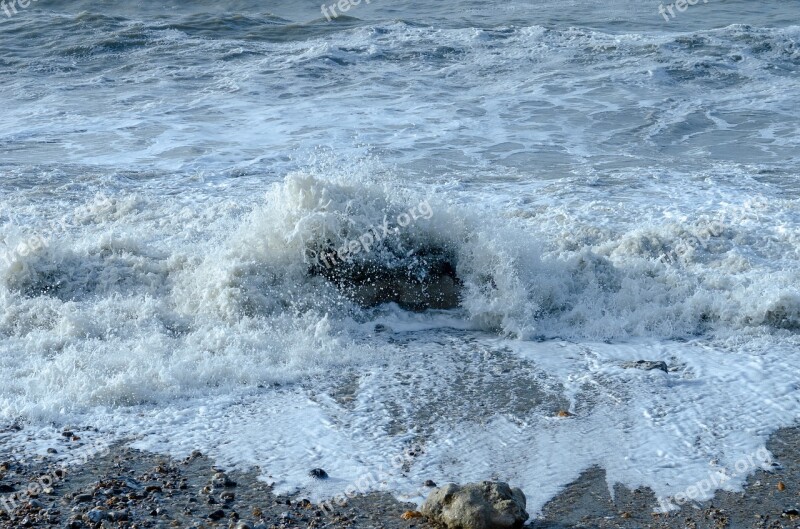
(609, 186)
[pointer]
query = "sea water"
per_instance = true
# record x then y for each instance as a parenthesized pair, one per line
(610, 183)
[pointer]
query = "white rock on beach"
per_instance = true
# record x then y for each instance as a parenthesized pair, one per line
(484, 505)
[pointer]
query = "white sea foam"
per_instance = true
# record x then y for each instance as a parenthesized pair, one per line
(604, 195)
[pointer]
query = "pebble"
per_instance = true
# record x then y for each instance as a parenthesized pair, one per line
(318, 473)
(83, 498)
(118, 516)
(217, 515)
(227, 496)
(221, 479)
(429, 483)
(96, 515)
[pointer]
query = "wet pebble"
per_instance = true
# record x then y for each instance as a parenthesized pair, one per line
(217, 515)
(227, 496)
(318, 473)
(221, 479)
(96, 515)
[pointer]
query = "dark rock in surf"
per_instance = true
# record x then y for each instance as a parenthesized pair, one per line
(423, 281)
(318, 473)
(647, 365)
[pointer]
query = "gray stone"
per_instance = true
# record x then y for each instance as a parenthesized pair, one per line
(83, 498)
(96, 515)
(484, 505)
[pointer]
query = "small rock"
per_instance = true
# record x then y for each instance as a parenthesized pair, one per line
(96, 515)
(6, 488)
(318, 473)
(484, 505)
(781, 486)
(52, 451)
(221, 479)
(227, 496)
(243, 525)
(66, 433)
(83, 498)
(408, 515)
(430, 483)
(647, 365)
(217, 515)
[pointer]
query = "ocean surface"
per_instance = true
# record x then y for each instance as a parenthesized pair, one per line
(611, 184)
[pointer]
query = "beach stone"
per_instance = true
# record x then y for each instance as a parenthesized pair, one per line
(96, 515)
(318, 473)
(83, 498)
(647, 365)
(221, 480)
(227, 496)
(483, 505)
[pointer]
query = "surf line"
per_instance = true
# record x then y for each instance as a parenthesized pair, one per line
(370, 237)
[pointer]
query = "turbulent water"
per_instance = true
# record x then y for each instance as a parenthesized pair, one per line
(606, 184)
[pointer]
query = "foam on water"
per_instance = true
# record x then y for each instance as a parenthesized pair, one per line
(605, 192)
(226, 308)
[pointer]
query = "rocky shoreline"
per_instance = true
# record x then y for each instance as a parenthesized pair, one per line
(121, 487)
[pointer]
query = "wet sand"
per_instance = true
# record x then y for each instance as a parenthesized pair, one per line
(125, 488)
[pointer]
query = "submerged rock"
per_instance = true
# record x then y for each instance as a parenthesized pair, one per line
(647, 365)
(427, 281)
(484, 505)
(318, 473)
